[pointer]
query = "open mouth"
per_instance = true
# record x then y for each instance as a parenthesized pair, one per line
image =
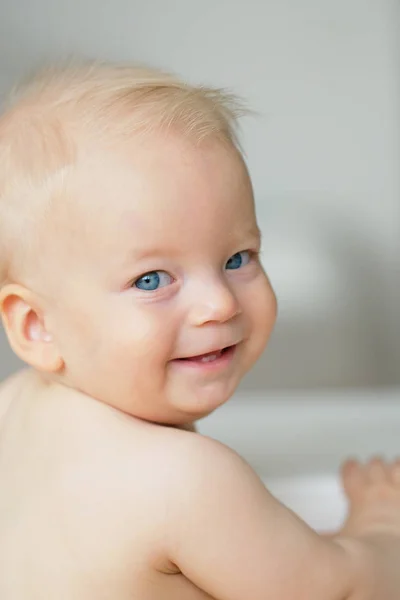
(209, 356)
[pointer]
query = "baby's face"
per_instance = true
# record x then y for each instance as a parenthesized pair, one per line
(162, 306)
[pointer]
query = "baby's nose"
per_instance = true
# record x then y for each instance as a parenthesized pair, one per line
(214, 302)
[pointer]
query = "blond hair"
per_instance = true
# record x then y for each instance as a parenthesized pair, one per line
(40, 126)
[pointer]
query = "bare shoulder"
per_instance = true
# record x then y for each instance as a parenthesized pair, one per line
(133, 465)
(210, 473)
(162, 459)
(202, 461)
(150, 474)
(155, 480)
(180, 459)
(232, 538)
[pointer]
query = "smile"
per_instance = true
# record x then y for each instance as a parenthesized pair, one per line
(210, 360)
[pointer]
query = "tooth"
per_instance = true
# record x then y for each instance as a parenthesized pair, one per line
(209, 358)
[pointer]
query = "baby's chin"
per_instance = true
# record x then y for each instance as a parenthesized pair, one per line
(181, 414)
(205, 403)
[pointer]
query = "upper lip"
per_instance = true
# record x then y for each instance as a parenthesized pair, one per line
(215, 350)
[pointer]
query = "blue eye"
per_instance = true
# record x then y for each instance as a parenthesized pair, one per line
(153, 280)
(240, 259)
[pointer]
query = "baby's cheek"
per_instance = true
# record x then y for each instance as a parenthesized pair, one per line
(264, 309)
(75, 332)
(143, 335)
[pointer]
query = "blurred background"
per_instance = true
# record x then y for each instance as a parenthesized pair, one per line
(323, 152)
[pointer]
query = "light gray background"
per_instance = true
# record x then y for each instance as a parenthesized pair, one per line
(323, 153)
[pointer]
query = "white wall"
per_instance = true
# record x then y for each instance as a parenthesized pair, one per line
(324, 152)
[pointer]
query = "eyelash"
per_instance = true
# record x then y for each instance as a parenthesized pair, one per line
(253, 254)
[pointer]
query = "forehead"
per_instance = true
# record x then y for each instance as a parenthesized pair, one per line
(162, 185)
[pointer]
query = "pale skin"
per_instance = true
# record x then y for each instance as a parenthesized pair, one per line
(107, 492)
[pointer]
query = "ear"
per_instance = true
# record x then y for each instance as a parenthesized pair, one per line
(25, 327)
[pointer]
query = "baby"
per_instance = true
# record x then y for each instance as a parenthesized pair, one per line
(131, 286)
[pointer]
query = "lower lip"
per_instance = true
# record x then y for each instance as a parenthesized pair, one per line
(217, 364)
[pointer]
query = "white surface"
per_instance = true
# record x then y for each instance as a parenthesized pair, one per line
(318, 499)
(323, 152)
(296, 443)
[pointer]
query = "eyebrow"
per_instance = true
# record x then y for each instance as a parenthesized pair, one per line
(253, 233)
(257, 233)
(144, 254)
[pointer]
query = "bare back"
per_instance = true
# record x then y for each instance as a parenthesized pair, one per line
(64, 530)
(98, 505)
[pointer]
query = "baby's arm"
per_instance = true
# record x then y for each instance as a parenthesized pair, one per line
(232, 539)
